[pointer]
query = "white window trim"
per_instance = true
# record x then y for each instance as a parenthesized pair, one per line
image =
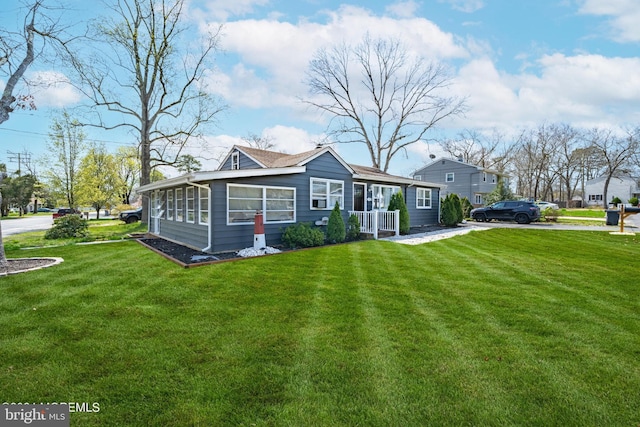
(200, 210)
(423, 198)
(264, 204)
(328, 183)
(179, 205)
(235, 161)
(446, 177)
(374, 195)
(191, 210)
(170, 205)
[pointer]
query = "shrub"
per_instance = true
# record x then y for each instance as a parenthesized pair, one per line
(302, 236)
(466, 207)
(336, 232)
(451, 211)
(616, 201)
(353, 228)
(501, 192)
(397, 203)
(68, 226)
(633, 201)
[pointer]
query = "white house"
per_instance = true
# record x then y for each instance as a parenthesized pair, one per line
(622, 187)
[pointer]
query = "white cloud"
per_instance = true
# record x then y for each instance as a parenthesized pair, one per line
(403, 9)
(224, 9)
(52, 89)
(584, 90)
(467, 6)
(272, 56)
(624, 17)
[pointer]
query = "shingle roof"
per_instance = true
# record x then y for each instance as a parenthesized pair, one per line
(273, 159)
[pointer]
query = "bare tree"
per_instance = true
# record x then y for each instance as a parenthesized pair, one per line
(474, 148)
(18, 51)
(141, 70)
(391, 104)
(259, 142)
(616, 152)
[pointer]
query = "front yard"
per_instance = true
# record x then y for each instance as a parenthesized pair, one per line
(480, 329)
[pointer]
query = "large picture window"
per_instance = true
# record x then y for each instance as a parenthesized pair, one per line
(278, 204)
(325, 193)
(179, 205)
(191, 204)
(203, 206)
(423, 198)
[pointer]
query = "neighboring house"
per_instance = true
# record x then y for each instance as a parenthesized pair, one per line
(214, 211)
(622, 187)
(463, 179)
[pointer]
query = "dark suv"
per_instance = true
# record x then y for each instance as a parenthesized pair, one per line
(131, 216)
(509, 210)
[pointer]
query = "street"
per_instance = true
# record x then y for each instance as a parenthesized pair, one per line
(25, 224)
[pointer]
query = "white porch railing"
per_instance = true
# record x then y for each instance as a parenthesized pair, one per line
(374, 221)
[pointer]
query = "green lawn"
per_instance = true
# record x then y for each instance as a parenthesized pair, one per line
(500, 327)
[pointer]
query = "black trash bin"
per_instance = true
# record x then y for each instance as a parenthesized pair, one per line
(613, 216)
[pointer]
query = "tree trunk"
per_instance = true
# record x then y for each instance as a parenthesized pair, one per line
(3, 258)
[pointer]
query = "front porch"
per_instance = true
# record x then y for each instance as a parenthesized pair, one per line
(373, 222)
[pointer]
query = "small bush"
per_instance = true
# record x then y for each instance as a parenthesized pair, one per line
(466, 207)
(451, 211)
(336, 232)
(302, 236)
(353, 228)
(616, 201)
(633, 201)
(68, 226)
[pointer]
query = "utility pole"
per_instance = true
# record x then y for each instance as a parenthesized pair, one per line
(20, 158)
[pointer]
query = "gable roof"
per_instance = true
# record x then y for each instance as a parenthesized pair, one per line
(274, 159)
(459, 162)
(275, 163)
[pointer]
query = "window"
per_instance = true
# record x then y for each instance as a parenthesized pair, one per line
(191, 205)
(484, 177)
(179, 205)
(235, 161)
(595, 197)
(493, 179)
(423, 198)
(276, 203)
(417, 177)
(157, 204)
(203, 206)
(478, 199)
(325, 193)
(382, 195)
(170, 205)
(449, 177)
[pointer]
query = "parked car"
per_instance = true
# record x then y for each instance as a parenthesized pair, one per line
(44, 210)
(547, 205)
(131, 216)
(509, 210)
(65, 211)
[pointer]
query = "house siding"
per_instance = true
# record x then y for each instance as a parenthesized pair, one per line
(245, 162)
(226, 237)
(468, 179)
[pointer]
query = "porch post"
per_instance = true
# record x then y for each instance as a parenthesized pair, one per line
(375, 224)
(396, 221)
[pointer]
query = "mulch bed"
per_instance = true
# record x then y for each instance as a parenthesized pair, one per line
(183, 255)
(189, 257)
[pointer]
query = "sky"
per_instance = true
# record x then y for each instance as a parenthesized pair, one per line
(519, 64)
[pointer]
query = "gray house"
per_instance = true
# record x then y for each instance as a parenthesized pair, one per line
(463, 179)
(214, 211)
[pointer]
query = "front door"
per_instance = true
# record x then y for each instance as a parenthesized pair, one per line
(359, 196)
